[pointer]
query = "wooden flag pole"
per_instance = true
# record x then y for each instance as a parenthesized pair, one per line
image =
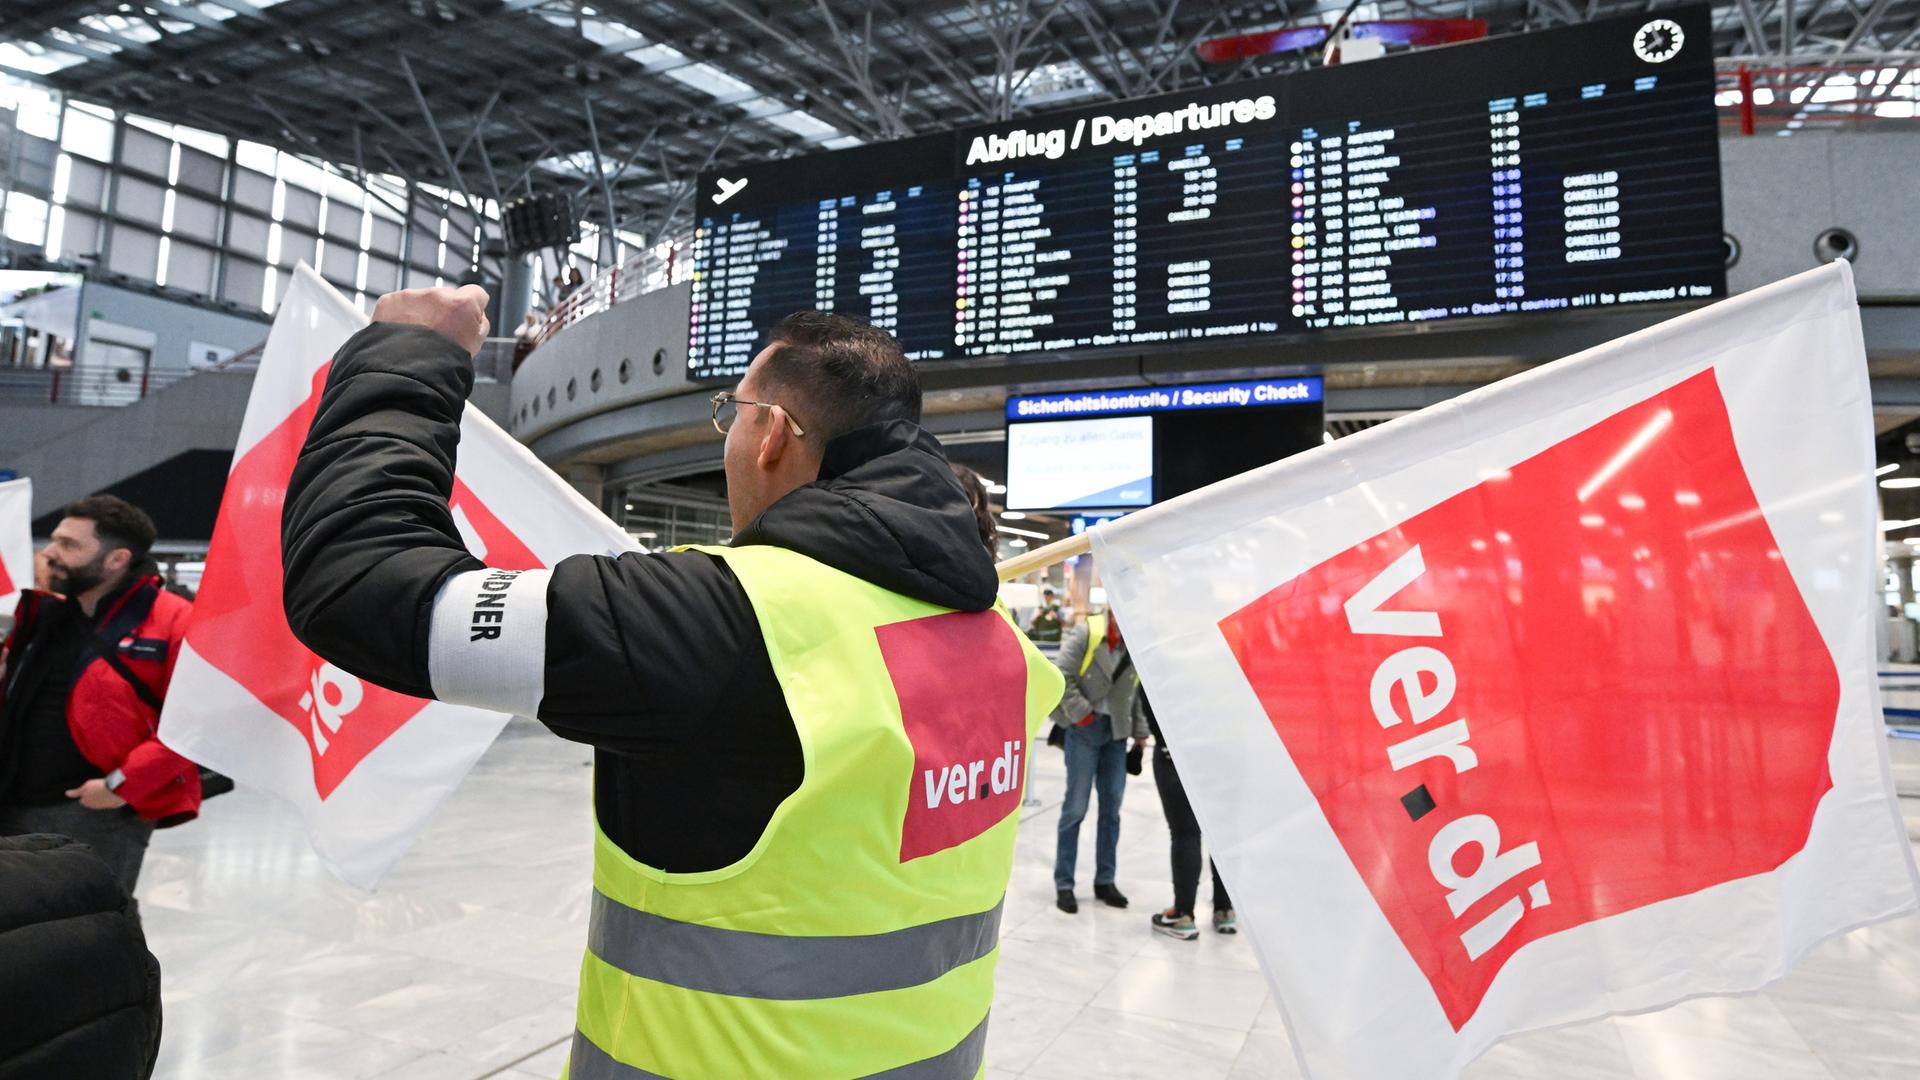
(1042, 557)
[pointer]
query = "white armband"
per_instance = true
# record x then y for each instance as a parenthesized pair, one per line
(488, 643)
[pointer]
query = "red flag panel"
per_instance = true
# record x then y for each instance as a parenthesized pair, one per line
(1578, 688)
(241, 629)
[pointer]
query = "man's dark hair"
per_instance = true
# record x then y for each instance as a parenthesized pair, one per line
(837, 374)
(117, 522)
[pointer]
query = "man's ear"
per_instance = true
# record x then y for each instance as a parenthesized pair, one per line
(777, 442)
(118, 559)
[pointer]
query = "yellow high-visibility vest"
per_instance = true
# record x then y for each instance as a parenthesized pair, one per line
(1096, 636)
(859, 936)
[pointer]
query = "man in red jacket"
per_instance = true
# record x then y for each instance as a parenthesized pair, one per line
(82, 677)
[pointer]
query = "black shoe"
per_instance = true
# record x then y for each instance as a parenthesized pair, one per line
(1175, 925)
(1110, 895)
(1065, 902)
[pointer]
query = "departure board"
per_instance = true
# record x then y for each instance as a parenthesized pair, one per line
(1568, 168)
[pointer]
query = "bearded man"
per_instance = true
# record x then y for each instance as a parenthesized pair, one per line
(82, 679)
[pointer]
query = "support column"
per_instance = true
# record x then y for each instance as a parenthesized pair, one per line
(1897, 634)
(1079, 586)
(516, 295)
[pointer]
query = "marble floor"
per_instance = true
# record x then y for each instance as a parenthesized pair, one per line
(462, 965)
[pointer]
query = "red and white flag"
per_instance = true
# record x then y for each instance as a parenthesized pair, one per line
(1552, 701)
(16, 542)
(364, 766)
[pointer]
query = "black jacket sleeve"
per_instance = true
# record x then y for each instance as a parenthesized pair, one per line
(645, 651)
(638, 653)
(366, 535)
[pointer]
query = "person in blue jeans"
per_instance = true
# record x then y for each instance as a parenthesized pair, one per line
(1098, 716)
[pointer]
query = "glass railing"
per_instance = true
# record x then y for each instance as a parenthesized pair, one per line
(645, 271)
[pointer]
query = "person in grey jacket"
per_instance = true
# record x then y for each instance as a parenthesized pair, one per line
(1098, 715)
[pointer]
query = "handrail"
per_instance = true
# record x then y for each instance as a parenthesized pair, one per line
(84, 385)
(644, 271)
(93, 385)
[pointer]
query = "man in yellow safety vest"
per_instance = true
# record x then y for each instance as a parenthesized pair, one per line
(810, 743)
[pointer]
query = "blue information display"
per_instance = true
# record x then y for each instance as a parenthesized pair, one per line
(1150, 399)
(1569, 168)
(1130, 447)
(1080, 464)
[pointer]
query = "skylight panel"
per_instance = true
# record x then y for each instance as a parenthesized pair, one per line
(34, 58)
(805, 125)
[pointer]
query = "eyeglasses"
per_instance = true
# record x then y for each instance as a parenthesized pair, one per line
(724, 411)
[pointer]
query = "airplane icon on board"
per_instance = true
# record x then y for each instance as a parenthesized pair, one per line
(728, 189)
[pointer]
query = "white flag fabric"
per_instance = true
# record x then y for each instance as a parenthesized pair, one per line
(1552, 701)
(364, 766)
(16, 542)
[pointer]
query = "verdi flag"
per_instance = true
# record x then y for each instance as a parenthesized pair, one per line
(364, 766)
(16, 542)
(1551, 701)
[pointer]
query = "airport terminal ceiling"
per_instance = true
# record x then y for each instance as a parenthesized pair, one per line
(622, 103)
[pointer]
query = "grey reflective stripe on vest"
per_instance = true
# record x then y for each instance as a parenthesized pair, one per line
(589, 1062)
(586, 1061)
(740, 963)
(960, 1063)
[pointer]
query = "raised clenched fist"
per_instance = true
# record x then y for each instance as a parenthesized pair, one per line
(460, 315)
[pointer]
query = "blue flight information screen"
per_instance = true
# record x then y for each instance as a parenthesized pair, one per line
(1569, 168)
(1123, 448)
(1147, 399)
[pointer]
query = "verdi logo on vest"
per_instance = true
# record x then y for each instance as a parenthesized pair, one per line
(1478, 831)
(961, 681)
(962, 781)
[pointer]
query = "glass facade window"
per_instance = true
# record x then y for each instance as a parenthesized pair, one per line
(26, 219)
(88, 134)
(36, 109)
(219, 217)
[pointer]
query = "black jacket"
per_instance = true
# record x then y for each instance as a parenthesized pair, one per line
(79, 992)
(656, 660)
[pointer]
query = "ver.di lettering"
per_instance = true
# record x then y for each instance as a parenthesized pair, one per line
(1424, 678)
